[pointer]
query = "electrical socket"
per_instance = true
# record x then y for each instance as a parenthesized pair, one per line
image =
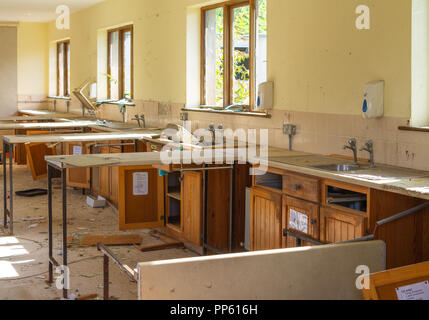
(289, 129)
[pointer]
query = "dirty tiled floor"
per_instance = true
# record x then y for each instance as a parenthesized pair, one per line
(24, 256)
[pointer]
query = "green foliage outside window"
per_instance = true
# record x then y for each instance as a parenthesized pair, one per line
(241, 28)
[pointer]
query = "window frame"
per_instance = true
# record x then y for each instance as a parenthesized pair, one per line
(228, 17)
(66, 88)
(121, 85)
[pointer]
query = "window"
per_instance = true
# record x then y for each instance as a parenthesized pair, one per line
(234, 52)
(120, 63)
(63, 68)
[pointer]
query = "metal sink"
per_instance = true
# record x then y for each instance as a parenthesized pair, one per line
(119, 125)
(341, 167)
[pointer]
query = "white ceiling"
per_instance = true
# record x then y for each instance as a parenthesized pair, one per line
(38, 10)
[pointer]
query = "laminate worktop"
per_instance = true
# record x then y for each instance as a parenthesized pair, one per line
(413, 183)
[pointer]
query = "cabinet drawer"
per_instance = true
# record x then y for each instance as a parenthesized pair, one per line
(301, 187)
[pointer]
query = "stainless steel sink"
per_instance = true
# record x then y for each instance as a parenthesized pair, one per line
(119, 125)
(340, 167)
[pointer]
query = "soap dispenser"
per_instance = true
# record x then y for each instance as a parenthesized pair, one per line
(373, 103)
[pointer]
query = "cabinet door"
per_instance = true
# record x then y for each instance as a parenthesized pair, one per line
(104, 176)
(266, 220)
(218, 209)
(302, 217)
(141, 201)
(36, 153)
(337, 226)
(192, 206)
(80, 177)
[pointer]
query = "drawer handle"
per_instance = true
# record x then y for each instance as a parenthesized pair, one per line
(313, 221)
(297, 187)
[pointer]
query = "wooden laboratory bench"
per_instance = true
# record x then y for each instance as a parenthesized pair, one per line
(325, 208)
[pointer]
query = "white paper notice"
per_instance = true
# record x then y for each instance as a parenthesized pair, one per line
(140, 184)
(298, 221)
(77, 150)
(418, 291)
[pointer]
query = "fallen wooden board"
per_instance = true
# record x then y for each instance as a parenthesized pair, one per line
(115, 240)
(87, 297)
(169, 243)
(163, 246)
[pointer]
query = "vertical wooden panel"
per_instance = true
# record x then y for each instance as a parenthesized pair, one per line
(192, 206)
(140, 211)
(79, 177)
(337, 226)
(266, 221)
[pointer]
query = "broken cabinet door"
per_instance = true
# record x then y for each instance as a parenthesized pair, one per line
(141, 198)
(36, 153)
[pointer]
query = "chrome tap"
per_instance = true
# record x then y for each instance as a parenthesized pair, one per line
(212, 130)
(140, 120)
(352, 146)
(369, 147)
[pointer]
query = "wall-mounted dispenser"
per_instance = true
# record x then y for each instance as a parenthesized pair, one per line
(265, 96)
(373, 103)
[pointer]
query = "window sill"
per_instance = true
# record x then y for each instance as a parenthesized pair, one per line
(415, 129)
(231, 113)
(59, 97)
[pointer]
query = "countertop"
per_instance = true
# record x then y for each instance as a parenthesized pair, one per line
(409, 182)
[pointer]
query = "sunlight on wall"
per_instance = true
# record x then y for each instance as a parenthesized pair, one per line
(420, 64)
(193, 57)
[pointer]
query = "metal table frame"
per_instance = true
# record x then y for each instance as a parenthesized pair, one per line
(8, 212)
(55, 171)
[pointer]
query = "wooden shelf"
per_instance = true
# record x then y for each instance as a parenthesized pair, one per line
(175, 193)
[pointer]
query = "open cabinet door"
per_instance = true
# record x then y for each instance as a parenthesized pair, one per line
(36, 153)
(20, 153)
(79, 177)
(192, 206)
(141, 198)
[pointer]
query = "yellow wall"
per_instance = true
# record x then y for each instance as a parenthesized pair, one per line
(317, 58)
(33, 59)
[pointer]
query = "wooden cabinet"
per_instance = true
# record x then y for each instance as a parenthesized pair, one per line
(107, 178)
(337, 225)
(192, 209)
(79, 177)
(20, 151)
(265, 220)
(141, 201)
(302, 217)
(20, 154)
